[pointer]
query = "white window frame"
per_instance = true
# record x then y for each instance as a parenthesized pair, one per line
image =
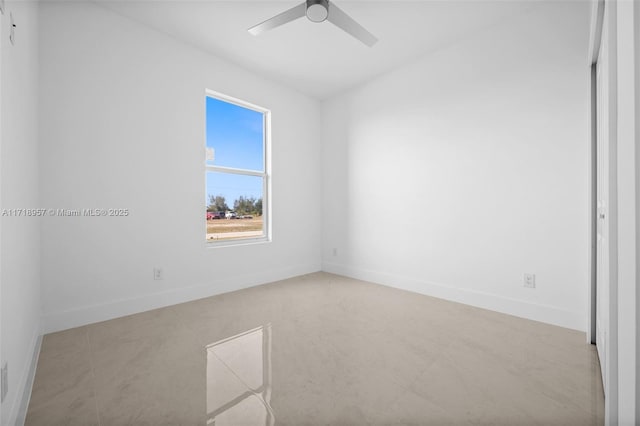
(265, 175)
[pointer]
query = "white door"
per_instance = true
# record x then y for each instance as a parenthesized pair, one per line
(602, 194)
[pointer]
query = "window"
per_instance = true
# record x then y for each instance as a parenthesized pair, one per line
(237, 172)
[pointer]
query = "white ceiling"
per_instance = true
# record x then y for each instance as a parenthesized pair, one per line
(319, 59)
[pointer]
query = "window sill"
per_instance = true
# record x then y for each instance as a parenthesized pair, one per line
(240, 242)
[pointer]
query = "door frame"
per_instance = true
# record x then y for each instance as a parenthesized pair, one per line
(597, 22)
(623, 41)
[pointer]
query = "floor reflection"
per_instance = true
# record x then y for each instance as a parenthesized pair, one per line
(239, 379)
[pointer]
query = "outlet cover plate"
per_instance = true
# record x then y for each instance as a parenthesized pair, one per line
(530, 280)
(158, 274)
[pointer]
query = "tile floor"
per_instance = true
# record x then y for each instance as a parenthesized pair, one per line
(319, 349)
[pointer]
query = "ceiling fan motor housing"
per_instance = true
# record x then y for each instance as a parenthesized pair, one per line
(317, 10)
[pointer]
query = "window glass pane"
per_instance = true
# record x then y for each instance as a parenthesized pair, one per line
(234, 206)
(236, 135)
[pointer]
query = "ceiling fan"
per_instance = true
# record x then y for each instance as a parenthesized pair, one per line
(318, 11)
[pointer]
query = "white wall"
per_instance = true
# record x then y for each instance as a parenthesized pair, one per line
(20, 251)
(455, 175)
(122, 126)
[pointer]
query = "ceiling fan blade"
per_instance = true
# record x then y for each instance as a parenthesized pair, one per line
(287, 16)
(343, 21)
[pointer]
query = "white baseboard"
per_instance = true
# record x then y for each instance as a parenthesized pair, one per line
(57, 321)
(18, 413)
(519, 308)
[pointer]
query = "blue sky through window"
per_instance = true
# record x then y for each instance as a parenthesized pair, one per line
(237, 136)
(231, 186)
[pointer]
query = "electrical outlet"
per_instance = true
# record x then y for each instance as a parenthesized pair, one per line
(158, 274)
(530, 280)
(4, 377)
